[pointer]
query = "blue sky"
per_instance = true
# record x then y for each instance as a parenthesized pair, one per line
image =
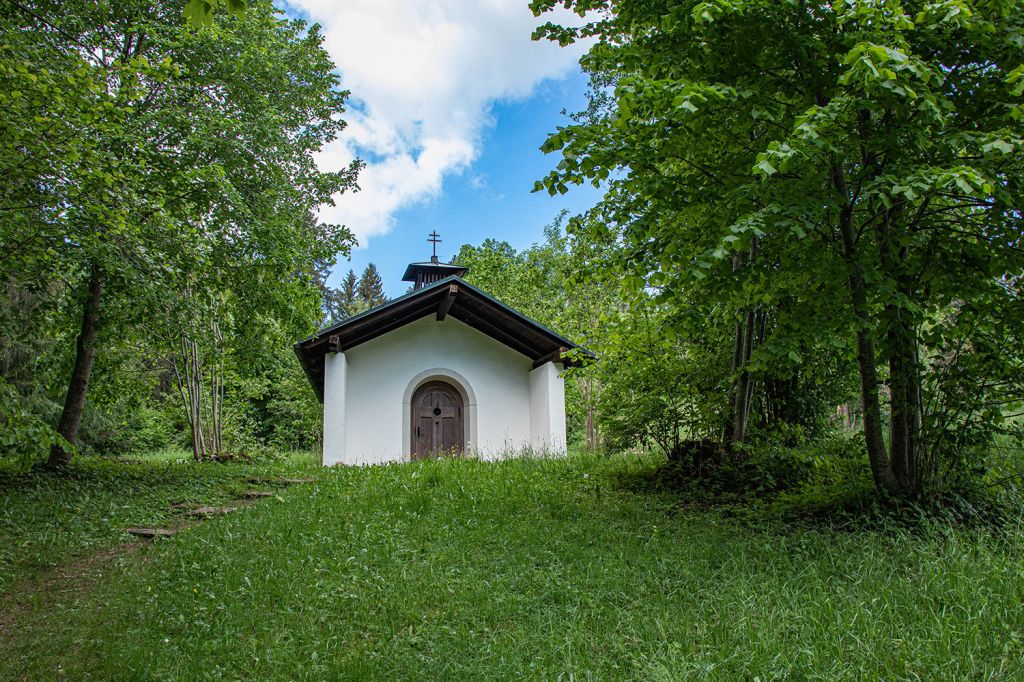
(492, 197)
(450, 101)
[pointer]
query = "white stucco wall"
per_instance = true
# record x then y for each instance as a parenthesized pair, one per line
(335, 371)
(367, 390)
(547, 408)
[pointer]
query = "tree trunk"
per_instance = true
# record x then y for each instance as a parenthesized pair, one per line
(589, 423)
(901, 337)
(881, 468)
(729, 431)
(204, 404)
(741, 411)
(589, 437)
(905, 405)
(189, 379)
(216, 386)
(743, 347)
(85, 353)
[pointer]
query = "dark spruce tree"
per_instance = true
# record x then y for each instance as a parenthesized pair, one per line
(348, 296)
(371, 289)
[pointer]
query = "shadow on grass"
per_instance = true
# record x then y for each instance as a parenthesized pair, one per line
(842, 497)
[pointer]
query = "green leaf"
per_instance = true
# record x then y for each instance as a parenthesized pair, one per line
(765, 167)
(1001, 146)
(199, 13)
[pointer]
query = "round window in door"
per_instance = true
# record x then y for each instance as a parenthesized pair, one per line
(437, 426)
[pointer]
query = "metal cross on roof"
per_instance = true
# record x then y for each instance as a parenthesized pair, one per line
(435, 238)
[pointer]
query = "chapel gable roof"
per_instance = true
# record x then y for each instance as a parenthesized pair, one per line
(449, 296)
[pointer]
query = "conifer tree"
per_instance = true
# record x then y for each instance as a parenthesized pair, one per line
(348, 296)
(371, 289)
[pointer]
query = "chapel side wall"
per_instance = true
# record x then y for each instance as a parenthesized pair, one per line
(379, 372)
(547, 409)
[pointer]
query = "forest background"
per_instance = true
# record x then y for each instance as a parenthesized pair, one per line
(805, 273)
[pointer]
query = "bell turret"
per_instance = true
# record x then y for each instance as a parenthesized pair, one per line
(422, 274)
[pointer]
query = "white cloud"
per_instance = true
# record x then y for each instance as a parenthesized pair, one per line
(424, 75)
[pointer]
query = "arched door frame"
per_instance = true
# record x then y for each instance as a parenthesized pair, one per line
(459, 383)
(445, 403)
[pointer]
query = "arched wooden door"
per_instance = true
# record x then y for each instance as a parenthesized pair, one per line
(437, 426)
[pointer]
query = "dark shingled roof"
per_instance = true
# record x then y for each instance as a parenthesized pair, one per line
(449, 296)
(432, 268)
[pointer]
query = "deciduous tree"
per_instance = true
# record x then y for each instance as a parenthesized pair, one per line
(853, 167)
(155, 164)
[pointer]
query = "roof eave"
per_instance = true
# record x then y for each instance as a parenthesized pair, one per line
(309, 349)
(410, 270)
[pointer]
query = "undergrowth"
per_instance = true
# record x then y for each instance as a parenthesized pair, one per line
(827, 481)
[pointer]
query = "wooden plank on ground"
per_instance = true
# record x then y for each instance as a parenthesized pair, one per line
(150, 533)
(210, 511)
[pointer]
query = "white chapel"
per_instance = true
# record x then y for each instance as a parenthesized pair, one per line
(444, 369)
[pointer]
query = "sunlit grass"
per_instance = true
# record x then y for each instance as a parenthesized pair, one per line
(532, 569)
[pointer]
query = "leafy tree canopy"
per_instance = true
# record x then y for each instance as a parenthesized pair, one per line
(855, 168)
(160, 176)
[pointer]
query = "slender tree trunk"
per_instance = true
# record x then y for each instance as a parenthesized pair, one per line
(196, 387)
(589, 391)
(729, 432)
(905, 405)
(917, 409)
(589, 442)
(216, 386)
(203, 402)
(595, 426)
(741, 411)
(881, 468)
(589, 439)
(743, 347)
(901, 338)
(190, 387)
(85, 353)
(899, 431)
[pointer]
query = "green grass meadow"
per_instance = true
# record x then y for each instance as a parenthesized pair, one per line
(47, 521)
(523, 569)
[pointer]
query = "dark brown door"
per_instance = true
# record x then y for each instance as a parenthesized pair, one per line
(436, 420)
